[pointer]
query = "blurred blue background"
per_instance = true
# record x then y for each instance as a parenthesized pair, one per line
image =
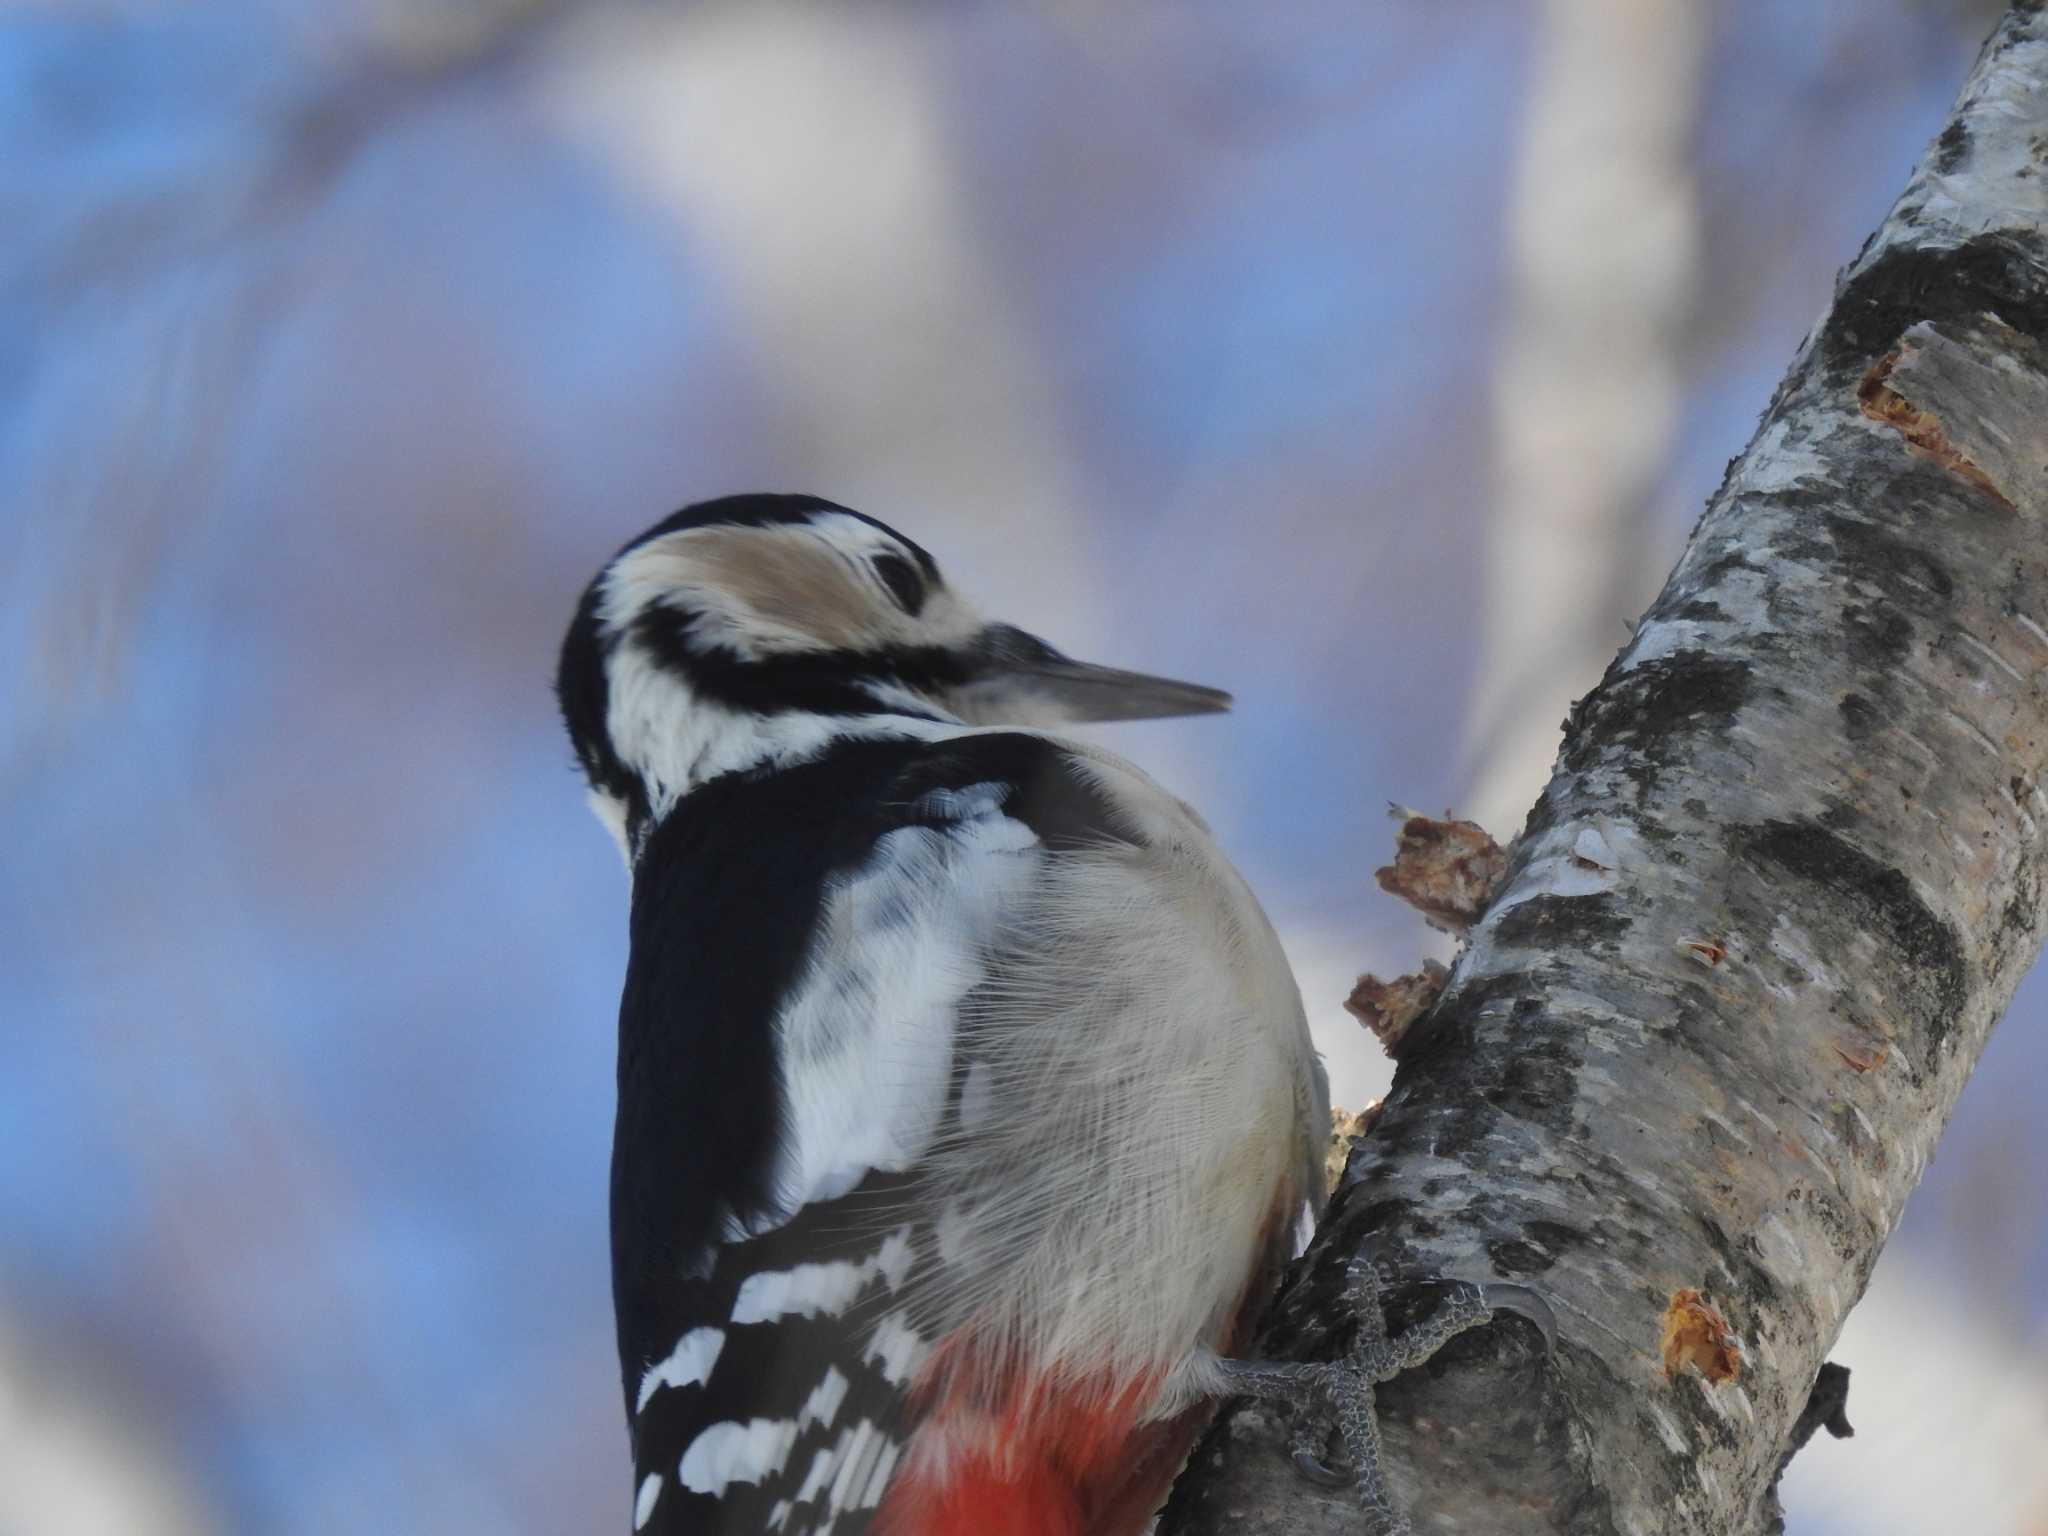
(1369, 359)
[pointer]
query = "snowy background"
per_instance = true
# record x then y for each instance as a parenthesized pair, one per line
(1367, 359)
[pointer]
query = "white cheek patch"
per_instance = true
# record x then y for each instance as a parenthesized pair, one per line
(675, 740)
(756, 593)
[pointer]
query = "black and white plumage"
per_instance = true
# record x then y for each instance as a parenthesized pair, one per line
(966, 1106)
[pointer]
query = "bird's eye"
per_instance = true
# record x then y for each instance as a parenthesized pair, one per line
(902, 580)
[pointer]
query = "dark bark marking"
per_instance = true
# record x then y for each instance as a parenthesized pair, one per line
(1867, 553)
(2017, 918)
(2005, 271)
(1552, 921)
(1541, 818)
(1652, 709)
(1390, 1211)
(1516, 1259)
(1539, 1083)
(1743, 1266)
(1879, 639)
(1690, 1394)
(1523, 1068)
(1953, 147)
(1929, 951)
(1735, 560)
(1841, 816)
(1450, 1027)
(1695, 603)
(1859, 717)
(1906, 583)
(1846, 1235)
(1556, 1236)
(1698, 1022)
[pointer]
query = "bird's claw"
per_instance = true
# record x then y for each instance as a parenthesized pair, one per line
(1312, 1469)
(1339, 1395)
(1498, 1296)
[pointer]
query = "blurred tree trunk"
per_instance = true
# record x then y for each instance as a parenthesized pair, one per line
(1602, 255)
(1784, 878)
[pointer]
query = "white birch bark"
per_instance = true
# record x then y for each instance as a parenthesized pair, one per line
(1784, 878)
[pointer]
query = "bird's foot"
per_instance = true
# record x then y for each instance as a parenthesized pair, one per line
(1335, 1399)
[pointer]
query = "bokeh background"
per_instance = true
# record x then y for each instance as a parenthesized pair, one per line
(1369, 358)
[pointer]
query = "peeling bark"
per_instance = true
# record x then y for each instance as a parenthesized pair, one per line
(1446, 870)
(1346, 1126)
(1387, 1008)
(1682, 1084)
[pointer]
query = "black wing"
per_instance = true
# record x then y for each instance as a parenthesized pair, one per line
(764, 1210)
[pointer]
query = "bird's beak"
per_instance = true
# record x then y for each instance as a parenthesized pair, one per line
(1017, 679)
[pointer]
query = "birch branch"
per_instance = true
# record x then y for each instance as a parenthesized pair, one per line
(1784, 878)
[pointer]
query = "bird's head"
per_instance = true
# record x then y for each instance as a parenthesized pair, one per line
(754, 631)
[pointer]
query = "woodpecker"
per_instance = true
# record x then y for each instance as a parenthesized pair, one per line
(967, 1113)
